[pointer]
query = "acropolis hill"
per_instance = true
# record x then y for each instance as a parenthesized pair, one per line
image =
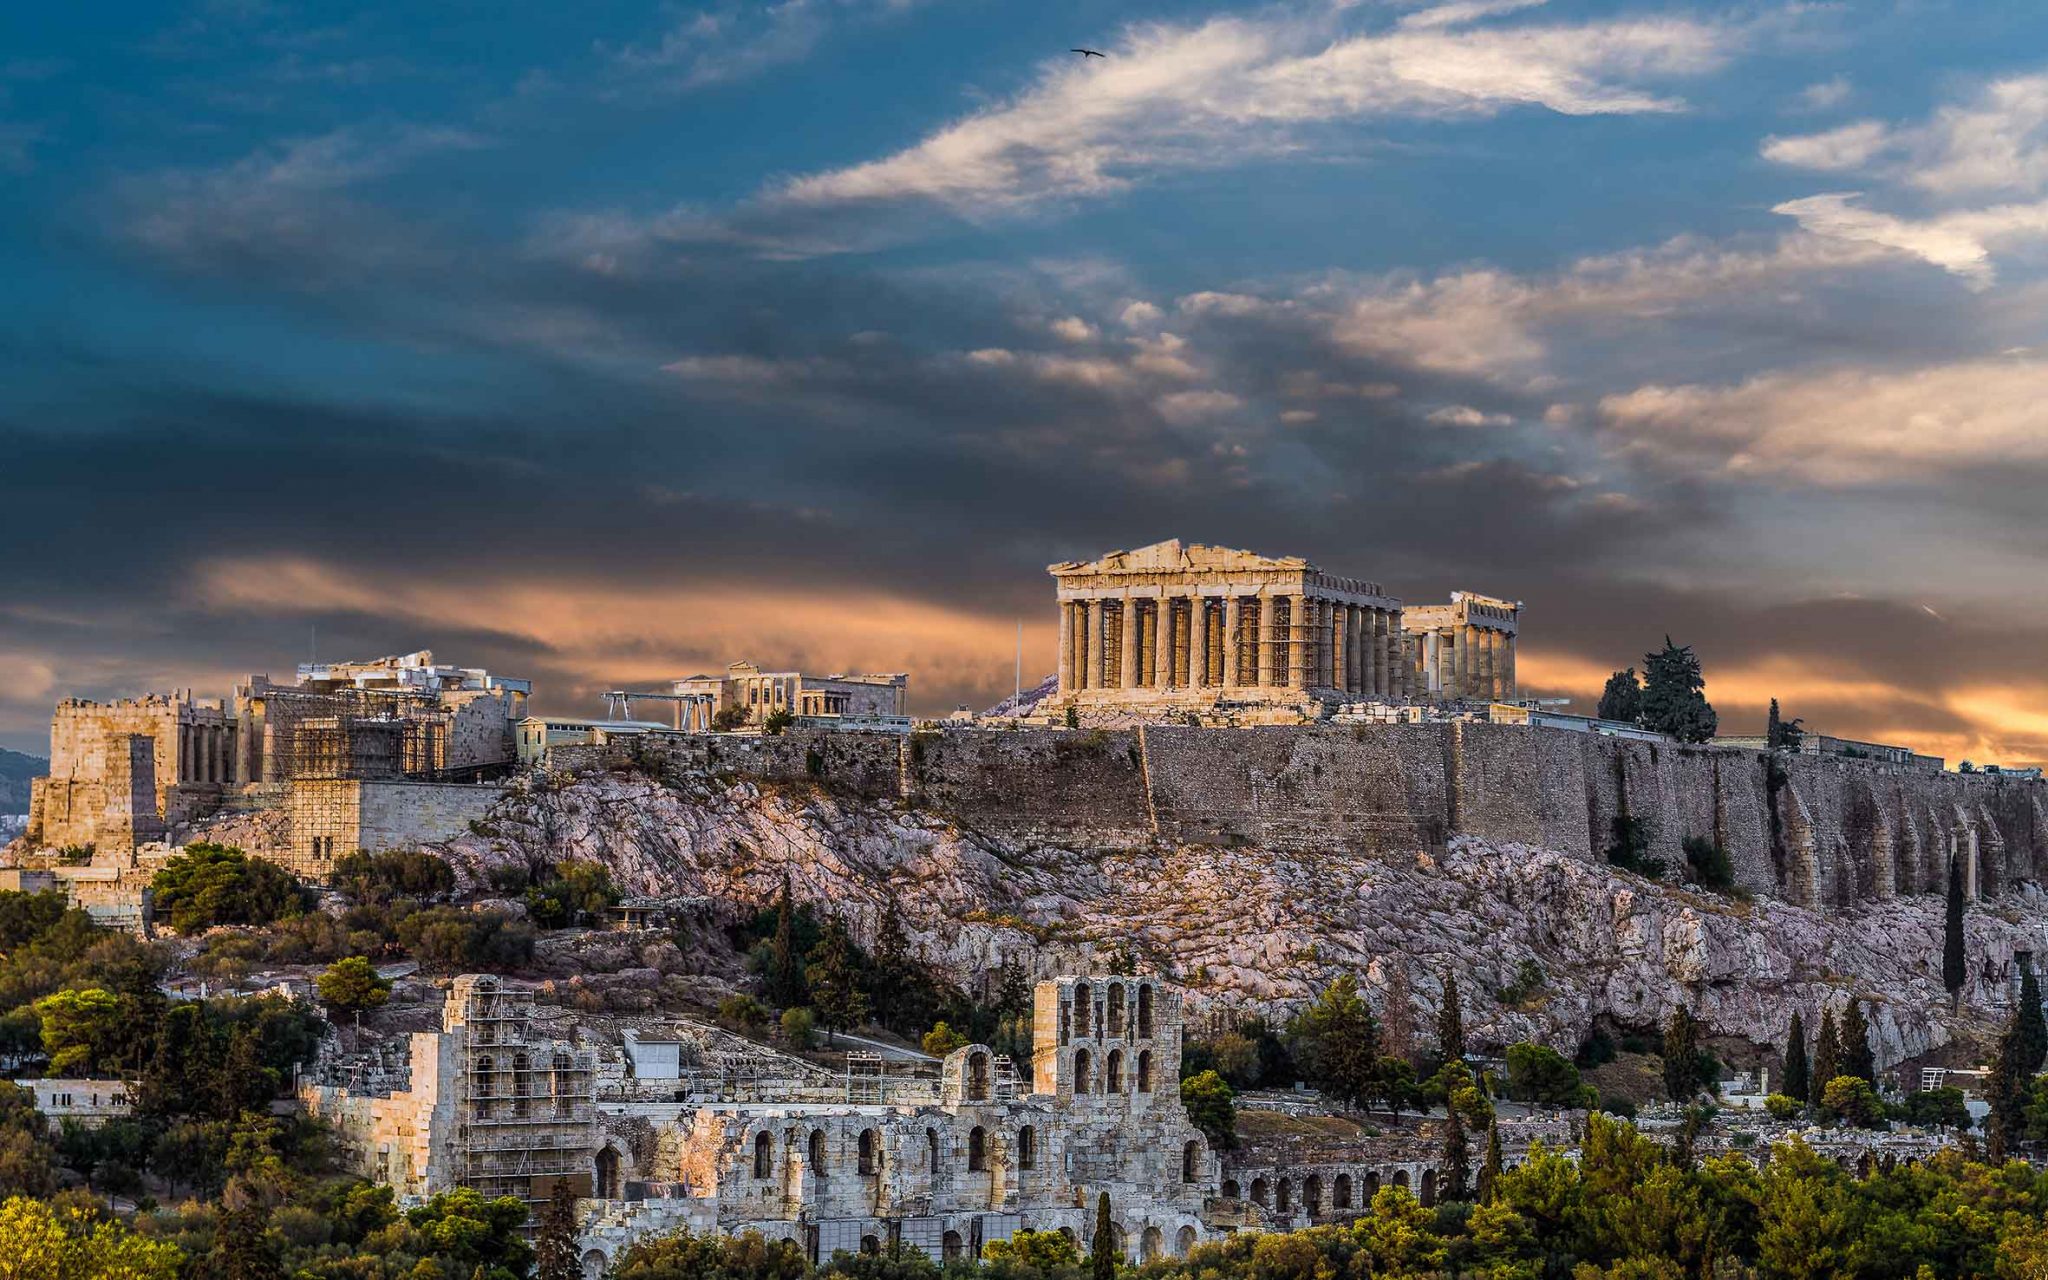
(1229, 733)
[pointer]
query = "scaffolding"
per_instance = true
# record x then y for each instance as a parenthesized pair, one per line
(353, 734)
(527, 1116)
(863, 1077)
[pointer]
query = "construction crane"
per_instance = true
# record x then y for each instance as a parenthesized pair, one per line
(618, 705)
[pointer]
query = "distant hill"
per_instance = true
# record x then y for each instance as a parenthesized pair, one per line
(15, 771)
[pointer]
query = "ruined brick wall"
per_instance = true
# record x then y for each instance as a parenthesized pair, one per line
(480, 730)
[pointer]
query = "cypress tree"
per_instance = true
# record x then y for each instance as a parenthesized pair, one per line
(1102, 1257)
(1953, 972)
(1796, 1079)
(1857, 1058)
(1827, 1056)
(2029, 1025)
(1450, 1024)
(785, 966)
(2005, 1091)
(1681, 1056)
(1772, 729)
(1456, 1162)
(1489, 1172)
(554, 1245)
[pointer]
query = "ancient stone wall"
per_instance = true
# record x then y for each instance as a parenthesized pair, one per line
(1817, 831)
(333, 818)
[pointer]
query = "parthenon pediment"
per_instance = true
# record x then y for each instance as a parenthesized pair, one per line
(1173, 555)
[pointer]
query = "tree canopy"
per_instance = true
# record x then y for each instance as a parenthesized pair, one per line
(1674, 697)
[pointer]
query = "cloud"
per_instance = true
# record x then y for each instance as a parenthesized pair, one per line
(1826, 95)
(1189, 97)
(1459, 12)
(1847, 427)
(1959, 243)
(1464, 415)
(732, 43)
(1073, 329)
(1837, 150)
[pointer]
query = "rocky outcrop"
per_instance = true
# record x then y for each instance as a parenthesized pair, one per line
(1255, 926)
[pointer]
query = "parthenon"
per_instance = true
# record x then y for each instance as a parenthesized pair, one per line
(1187, 623)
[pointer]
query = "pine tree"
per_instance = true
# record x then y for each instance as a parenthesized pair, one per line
(1681, 1056)
(1622, 698)
(1674, 699)
(1013, 991)
(1827, 1056)
(836, 994)
(1796, 1078)
(1857, 1057)
(1455, 1169)
(1781, 734)
(1953, 972)
(785, 966)
(1489, 1173)
(1397, 1018)
(2029, 1024)
(1450, 1024)
(1337, 1042)
(890, 975)
(554, 1245)
(1102, 1257)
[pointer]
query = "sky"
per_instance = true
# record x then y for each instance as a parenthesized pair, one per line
(605, 343)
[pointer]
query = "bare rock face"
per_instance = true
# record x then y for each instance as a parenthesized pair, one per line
(1261, 929)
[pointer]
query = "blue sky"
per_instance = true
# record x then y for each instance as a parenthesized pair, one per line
(610, 341)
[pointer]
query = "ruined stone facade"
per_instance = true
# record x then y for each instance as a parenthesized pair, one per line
(943, 1165)
(485, 1102)
(760, 694)
(332, 818)
(1187, 626)
(1464, 649)
(130, 772)
(122, 772)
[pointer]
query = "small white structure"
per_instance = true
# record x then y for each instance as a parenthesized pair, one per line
(89, 1102)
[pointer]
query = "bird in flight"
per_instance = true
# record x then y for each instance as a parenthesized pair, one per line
(1086, 53)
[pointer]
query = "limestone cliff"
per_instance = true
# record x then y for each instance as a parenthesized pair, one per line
(1251, 924)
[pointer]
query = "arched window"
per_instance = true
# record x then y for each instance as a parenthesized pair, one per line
(1230, 1191)
(1260, 1195)
(870, 1153)
(1150, 1243)
(764, 1156)
(1115, 1018)
(1428, 1197)
(870, 1245)
(1190, 1160)
(818, 1151)
(1312, 1195)
(1027, 1148)
(931, 1144)
(977, 1149)
(1183, 1241)
(977, 1076)
(950, 1247)
(1284, 1201)
(1081, 1002)
(1144, 1071)
(522, 1083)
(1145, 1011)
(563, 1086)
(607, 1180)
(485, 1086)
(1401, 1179)
(1372, 1185)
(1340, 1191)
(1113, 1082)
(1083, 1068)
